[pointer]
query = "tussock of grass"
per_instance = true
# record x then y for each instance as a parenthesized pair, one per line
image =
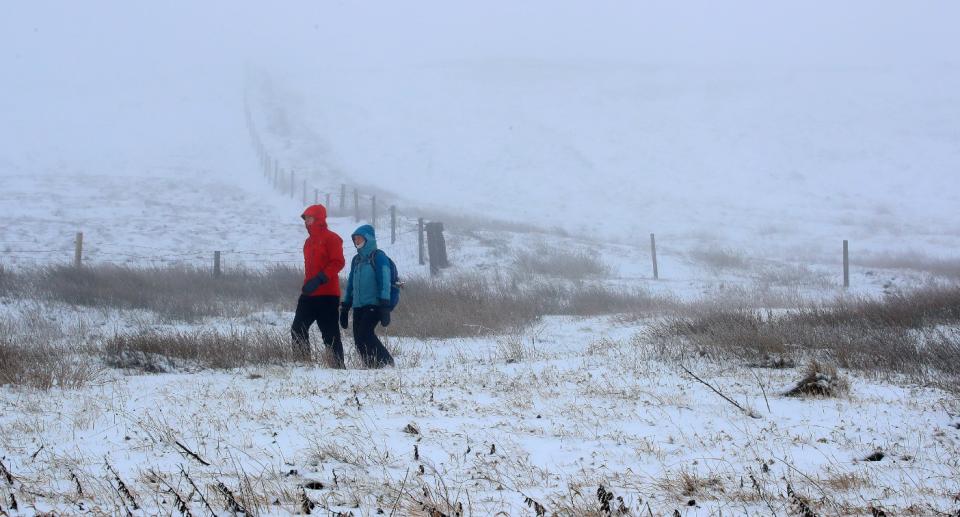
(153, 352)
(901, 333)
(43, 367)
(820, 380)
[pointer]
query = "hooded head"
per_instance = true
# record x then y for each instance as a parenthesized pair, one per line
(319, 214)
(370, 236)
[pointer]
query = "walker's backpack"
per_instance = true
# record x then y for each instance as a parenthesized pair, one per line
(376, 259)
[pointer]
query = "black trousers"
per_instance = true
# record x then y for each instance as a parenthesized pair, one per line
(371, 350)
(324, 310)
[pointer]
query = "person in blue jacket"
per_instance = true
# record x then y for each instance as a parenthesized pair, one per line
(369, 297)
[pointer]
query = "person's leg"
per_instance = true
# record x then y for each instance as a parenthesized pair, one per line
(361, 334)
(380, 351)
(328, 319)
(379, 355)
(300, 329)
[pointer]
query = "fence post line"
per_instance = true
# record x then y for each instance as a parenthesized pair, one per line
(304, 192)
(78, 251)
(356, 205)
(276, 173)
(846, 264)
(393, 224)
(328, 201)
(343, 197)
(420, 240)
(653, 254)
(216, 263)
(373, 211)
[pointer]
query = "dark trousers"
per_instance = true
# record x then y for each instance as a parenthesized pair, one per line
(371, 350)
(324, 310)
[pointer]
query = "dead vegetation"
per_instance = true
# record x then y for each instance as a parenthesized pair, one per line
(155, 352)
(44, 367)
(820, 380)
(905, 333)
(560, 263)
(473, 305)
(179, 293)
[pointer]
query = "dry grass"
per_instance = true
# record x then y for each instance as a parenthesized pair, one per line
(560, 263)
(473, 305)
(44, 367)
(180, 292)
(820, 380)
(153, 352)
(901, 333)
(913, 261)
(720, 259)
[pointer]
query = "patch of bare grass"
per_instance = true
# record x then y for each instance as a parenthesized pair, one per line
(474, 305)
(155, 352)
(720, 259)
(913, 261)
(560, 263)
(44, 367)
(900, 333)
(178, 292)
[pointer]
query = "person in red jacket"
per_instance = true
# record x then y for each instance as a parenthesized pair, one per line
(320, 296)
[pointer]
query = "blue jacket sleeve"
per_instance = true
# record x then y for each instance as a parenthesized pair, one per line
(348, 288)
(383, 268)
(385, 284)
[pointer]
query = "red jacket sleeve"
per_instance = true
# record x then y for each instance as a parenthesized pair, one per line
(335, 260)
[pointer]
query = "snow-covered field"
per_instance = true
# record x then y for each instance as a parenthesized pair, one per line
(550, 415)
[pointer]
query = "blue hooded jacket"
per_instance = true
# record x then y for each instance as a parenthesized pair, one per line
(362, 287)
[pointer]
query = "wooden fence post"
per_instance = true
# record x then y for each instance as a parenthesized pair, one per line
(216, 263)
(846, 264)
(393, 224)
(343, 197)
(437, 248)
(373, 211)
(276, 173)
(78, 251)
(293, 189)
(327, 201)
(653, 253)
(316, 197)
(356, 205)
(420, 239)
(304, 192)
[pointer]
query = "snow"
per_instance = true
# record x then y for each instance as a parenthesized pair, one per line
(594, 407)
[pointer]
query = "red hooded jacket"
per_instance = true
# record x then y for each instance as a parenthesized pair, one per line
(322, 252)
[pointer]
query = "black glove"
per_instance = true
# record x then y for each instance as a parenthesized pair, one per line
(385, 312)
(344, 315)
(314, 283)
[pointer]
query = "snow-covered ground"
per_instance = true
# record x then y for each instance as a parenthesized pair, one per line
(551, 414)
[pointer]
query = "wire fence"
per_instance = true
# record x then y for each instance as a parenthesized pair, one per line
(342, 201)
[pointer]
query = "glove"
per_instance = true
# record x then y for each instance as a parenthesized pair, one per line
(344, 315)
(384, 313)
(314, 283)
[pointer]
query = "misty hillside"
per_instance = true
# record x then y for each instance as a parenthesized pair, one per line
(645, 207)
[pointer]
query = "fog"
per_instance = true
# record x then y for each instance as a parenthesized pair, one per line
(117, 87)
